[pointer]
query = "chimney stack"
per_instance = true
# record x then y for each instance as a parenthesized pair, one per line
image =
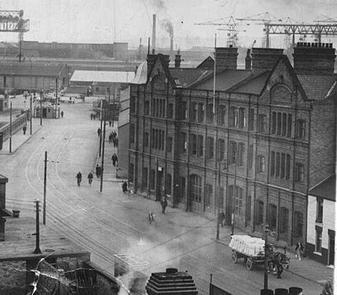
(248, 60)
(314, 58)
(265, 58)
(226, 58)
(177, 60)
(171, 45)
(154, 33)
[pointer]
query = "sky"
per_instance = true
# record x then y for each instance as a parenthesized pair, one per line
(106, 21)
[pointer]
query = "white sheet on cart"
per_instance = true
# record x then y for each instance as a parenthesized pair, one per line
(247, 245)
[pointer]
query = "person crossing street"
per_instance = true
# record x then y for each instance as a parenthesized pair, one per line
(79, 178)
(90, 177)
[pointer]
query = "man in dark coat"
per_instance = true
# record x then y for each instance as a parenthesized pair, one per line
(90, 177)
(98, 171)
(79, 178)
(125, 187)
(114, 159)
(164, 203)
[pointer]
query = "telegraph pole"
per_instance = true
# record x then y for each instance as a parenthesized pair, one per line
(10, 126)
(265, 280)
(234, 194)
(218, 213)
(45, 187)
(31, 114)
(41, 96)
(37, 241)
(103, 144)
(100, 137)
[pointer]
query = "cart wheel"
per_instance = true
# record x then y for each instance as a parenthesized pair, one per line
(234, 257)
(249, 264)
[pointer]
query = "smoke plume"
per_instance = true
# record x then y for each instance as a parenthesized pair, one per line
(159, 4)
(167, 26)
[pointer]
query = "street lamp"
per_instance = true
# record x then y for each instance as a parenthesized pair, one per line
(266, 254)
(234, 192)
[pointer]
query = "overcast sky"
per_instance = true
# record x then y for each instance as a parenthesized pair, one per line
(129, 20)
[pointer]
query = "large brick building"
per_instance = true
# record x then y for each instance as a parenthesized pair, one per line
(254, 146)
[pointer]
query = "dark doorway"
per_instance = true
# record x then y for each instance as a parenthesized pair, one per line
(44, 112)
(331, 248)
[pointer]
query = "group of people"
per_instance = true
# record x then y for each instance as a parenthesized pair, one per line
(79, 178)
(113, 138)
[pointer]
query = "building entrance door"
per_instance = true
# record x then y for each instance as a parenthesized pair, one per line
(331, 249)
(44, 112)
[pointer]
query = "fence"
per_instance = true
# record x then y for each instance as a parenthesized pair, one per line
(17, 125)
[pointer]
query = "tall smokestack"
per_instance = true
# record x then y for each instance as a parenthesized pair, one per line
(154, 33)
(171, 45)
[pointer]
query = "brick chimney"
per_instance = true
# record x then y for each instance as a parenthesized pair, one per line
(248, 60)
(151, 58)
(314, 58)
(177, 60)
(226, 58)
(265, 58)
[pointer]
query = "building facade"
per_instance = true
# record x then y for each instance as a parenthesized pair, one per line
(321, 222)
(251, 149)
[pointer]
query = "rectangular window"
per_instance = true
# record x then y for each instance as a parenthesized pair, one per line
(193, 144)
(248, 208)
(259, 212)
(261, 164)
(221, 149)
(283, 164)
(193, 112)
(170, 111)
(221, 115)
(152, 179)
(298, 224)
(299, 175)
(183, 110)
(272, 216)
(277, 172)
(168, 187)
(146, 139)
(251, 119)
(262, 123)
(144, 178)
(288, 167)
(300, 129)
(146, 107)
(232, 152)
(132, 133)
(284, 220)
(290, 123)
(208, 194)
(210, 147)
(241, 151)
(319, 210)
(284, 124)
(241, 122)
(279, 123)
(234, 117)
(318, 246)
(273, 123)
(250, 156)
(169, 143)
(132, 104)
(201, 112)
(272, 164)
(209, 113)
(200, 148)
(183, 142)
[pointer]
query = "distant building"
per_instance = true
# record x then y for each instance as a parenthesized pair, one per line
(254, 149)
(321, 231)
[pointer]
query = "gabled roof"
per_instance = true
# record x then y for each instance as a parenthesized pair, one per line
(223, 81)
(102, 76)
(318, 87)
(325, 189)
(207, 64)
(31, 69)
(187, 76)
(141, 74)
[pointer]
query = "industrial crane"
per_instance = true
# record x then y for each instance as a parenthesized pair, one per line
(228, 24)
(12, 21)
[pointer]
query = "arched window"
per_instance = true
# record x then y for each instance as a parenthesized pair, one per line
(196, 188)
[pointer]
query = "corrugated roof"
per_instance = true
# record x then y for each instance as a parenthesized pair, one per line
(30, 69)
(326, 189)
(187, 76)
(253, 84)
(102, 76)
(224, 80)
(317, 87)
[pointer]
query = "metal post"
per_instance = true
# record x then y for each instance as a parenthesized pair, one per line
(100, 137)
(101, 186)
(218, 217)
(265, 281)
(31, 115)
(45, 187)
(41, 95)
(10, 126)
(234, 194)
(267, 35)
(57, 109)
(37, 241)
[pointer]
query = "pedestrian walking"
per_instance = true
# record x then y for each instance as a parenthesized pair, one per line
(62, 113)
(151, 217)
(110, 138)
(99, 131)
(109, 123)
(115, 141)
(90, 177)
(125, 187)
(114, 159)
(24, 128)
(98, 171)
(164, 203)
(299, 250)
(79, 178)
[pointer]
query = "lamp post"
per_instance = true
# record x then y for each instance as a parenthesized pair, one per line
(234, 193)
(41, 97)
(219, 198)
(103, 145)
(266, 253)
(30, 114)
(10, 126)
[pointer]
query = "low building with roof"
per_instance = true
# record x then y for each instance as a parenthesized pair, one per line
(31, 76)
(105, 83)
(320, 244)
(250, 144)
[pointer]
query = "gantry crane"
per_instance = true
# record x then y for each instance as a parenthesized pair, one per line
(228, 24)
(12, 21)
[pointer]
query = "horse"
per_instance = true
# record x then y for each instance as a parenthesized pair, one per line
(279, 261)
